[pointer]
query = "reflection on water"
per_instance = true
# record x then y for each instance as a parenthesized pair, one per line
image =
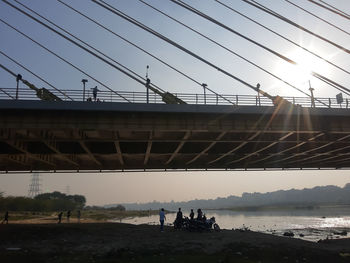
(307, 224)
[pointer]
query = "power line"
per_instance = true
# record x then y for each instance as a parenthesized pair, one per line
(37, 76)
(77, 44)
(333, 10)
(61, 58)
(155, 33)
(320, 18)
(196, 11)
(273, 13)
(224, 47)
(283, 37)
(142, 49)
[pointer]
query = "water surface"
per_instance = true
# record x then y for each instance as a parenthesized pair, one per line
(313, 224)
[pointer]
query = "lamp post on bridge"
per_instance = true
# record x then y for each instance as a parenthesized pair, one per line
(18, 78)
(84, 81)
(148, 82)
(205, 95)
(311, 89)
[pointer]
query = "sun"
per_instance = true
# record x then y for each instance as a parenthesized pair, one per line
(300, 74)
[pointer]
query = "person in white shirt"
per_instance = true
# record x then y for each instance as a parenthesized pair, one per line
(162, 217)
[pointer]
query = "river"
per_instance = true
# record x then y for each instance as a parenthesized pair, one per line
(312, 225)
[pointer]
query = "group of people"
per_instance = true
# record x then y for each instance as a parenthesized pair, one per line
(179, 217)
(60, 214)
(6, 217)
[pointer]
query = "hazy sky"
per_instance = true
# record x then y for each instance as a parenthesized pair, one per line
(142, 187)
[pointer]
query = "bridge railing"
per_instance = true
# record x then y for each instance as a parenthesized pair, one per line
(189, 98)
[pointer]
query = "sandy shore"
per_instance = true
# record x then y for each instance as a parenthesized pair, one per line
(32, 241)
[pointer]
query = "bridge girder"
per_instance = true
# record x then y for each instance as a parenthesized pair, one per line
(112, 136)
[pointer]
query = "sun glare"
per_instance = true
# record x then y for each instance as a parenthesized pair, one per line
(300, 74)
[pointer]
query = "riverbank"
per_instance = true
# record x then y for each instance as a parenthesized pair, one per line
(115, 242)
(86, 216)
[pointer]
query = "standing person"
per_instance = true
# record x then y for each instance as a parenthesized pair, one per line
(78, 215)
(199, 214)
(179, 219)
(94, 92)
(179, 214)
(68, 215)
(192, 214)
(162, 217)
(6, 218)
(60, 217)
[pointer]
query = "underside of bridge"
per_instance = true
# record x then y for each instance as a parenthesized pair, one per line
(84, 136)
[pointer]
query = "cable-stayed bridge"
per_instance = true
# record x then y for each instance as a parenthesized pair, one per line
(76, 136)
(196, 48)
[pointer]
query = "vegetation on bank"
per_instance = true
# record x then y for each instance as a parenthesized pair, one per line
(47, 206)
(47, 202)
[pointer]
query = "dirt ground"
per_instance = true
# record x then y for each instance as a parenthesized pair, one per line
(88, 241)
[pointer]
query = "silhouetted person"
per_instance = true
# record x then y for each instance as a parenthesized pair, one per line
(199, 214)
(89, 98)
(60, 217)
(6, 218)
(161, 219)
(179, 214)
(192, 214)
(68, 215)
(178, 220)
(94, 92)
(78, 215)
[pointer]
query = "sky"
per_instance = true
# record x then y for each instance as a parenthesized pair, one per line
(140, 187)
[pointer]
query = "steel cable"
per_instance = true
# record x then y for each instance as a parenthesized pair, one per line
(273, 13)
(283, 37)
(192, 9)
(144, 27)
(36, 75)
(61, 58)
(226, 48)
(77, 44)
(333, 10)
(320, 18)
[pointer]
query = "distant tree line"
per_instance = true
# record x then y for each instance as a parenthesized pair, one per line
(54, 201)
(320, 195)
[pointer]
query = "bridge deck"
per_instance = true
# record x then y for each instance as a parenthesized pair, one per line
(41, 135)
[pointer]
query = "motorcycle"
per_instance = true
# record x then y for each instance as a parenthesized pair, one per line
(196, 225)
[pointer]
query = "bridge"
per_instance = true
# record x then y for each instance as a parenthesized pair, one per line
(250, 133)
